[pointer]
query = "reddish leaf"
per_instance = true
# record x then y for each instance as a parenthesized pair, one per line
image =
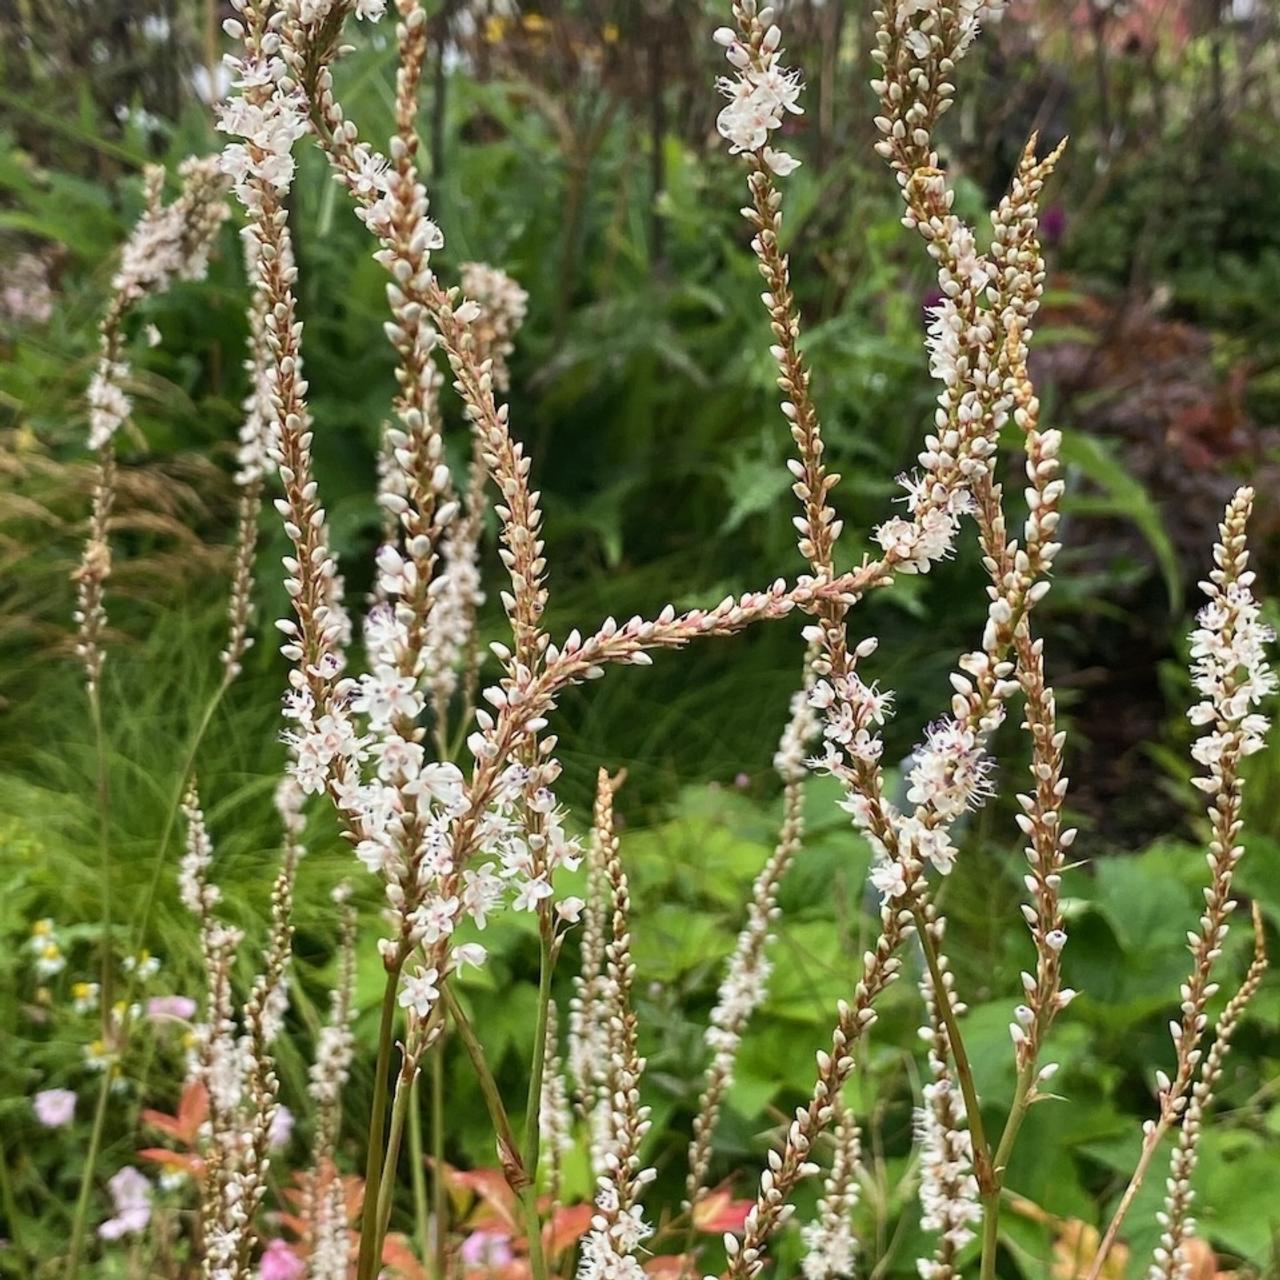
(567, 1227)
(180, 1160)
(718, 1212)
(193, 1110)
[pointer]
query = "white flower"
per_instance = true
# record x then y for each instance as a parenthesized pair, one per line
(889, 879)
(570, 909)
(780, 162)
(419, 992)
(951, 772)
(530, 893)
(469, 953)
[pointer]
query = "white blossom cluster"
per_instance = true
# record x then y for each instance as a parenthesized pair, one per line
(268, 115)
(949, 1201)
(253, 456)
(313, 12)
(761, 94)
(169, 242)
(504, 304)
(831, 1247)
(1229, 670)
(950, 772)
(915, 545)
(609, 1248)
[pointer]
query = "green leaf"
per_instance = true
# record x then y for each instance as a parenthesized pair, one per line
(1125, 496)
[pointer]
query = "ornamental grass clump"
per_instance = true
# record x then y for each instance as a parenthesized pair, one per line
(440, 764)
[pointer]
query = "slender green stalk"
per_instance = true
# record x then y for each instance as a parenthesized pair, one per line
(982, 1167)
(9, 1204)
(1000, 1162)
(440, 1201)
(367, 1266)
(104, 856)
(990, 1234)
(171, 817)
(81, 1218)
(400, 1106)
(533, 1230)
(511, 1166)
(100, 1115)
(417, 1158)
(533, 1106)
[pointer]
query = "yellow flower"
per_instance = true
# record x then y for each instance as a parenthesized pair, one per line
(609, 33)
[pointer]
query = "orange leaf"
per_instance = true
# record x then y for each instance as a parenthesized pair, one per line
(567, 1227)
(718, 1212)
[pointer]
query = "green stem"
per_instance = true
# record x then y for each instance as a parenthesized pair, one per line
(86, 1180)
(400, 1108)
(171, 818)
(367, 1266)
(438, 1189)
(533, 1230)
(513, 1167)
(982, 1166)
(508, 1150)
(1000, 1162)
(104, 858)
(417, 1158)
(533, 1105)
(990, 1234)
(9, 1203)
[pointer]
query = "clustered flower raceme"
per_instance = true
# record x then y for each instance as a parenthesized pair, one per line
(1229, 669)
(168, 243)
(1231, 673)
(234, 1064)
(503, 307)
(762, 93)
(555, 1115)
(949, 1202)
(618, 1227)
(589, 1032)
(1170, 1259)
(329, 1073)
(830, 1242)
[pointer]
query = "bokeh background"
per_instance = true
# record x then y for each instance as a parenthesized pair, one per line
(573, 145)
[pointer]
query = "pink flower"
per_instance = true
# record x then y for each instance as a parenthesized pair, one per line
(486, 1248)
(54, 1107)
(131, 1193)
(183, 1007)
(279, 1262)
